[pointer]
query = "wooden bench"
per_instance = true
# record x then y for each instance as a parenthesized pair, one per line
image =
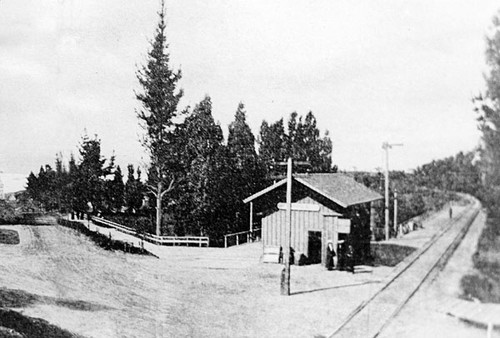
(272, 254)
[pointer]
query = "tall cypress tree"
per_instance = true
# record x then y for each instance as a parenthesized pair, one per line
(117, 190)
(272, 142)
(204, 143)
(159, 99)
(248, 171)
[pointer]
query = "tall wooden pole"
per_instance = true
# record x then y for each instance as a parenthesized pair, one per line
(251, 220)
(386, 148)
(396, 212)
(285, 276)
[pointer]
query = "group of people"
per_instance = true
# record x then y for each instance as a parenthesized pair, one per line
(345, 259)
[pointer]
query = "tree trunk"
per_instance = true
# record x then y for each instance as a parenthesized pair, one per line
(158, 208)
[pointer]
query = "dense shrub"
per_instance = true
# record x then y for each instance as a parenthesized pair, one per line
(138, 222)
(8, 214)
(9, 236)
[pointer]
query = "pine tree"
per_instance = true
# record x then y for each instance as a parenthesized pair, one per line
(92, 172)
(159, 100)
(117, 190)
(133, 191)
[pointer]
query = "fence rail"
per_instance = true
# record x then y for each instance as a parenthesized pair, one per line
(159, 240)
(241, 237)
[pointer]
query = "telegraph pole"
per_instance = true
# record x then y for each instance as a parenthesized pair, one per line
(386, 146)
(285, 276)
(396, 212)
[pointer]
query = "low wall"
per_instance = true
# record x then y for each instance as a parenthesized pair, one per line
(389, 254)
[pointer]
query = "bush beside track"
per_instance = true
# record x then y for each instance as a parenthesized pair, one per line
(484, 282)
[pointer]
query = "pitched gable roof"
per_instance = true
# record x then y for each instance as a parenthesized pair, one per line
(339, 188)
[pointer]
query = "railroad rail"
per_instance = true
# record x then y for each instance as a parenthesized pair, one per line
(373, 316)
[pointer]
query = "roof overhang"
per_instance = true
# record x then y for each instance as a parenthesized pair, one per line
(265, 191)
(313, 188)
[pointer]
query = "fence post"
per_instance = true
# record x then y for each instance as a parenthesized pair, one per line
(225, 241)
(237, 239)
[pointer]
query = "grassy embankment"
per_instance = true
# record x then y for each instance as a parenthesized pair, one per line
(484, 282)
(102, 240)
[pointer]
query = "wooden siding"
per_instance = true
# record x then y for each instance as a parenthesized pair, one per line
(273, 226)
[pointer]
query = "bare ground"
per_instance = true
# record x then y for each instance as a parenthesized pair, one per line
(196, 292)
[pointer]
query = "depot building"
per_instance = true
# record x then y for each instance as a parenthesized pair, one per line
(325, 207)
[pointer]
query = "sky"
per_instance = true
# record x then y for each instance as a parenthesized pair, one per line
(370, 71)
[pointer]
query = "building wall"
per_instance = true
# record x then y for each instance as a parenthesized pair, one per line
(273, 226)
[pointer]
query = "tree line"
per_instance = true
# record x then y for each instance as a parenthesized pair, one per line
(196, 180)
(210, 176)
(428, 187)
(90, 184)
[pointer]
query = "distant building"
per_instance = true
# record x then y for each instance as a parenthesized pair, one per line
(325, 207)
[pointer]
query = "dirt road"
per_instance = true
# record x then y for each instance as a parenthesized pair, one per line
(198, 292)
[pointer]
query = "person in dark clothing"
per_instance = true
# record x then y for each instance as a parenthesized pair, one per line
(341, 255)
(349, 256)
(451, 212)
(330, 254)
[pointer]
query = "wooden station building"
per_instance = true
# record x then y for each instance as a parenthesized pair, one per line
(325, 207)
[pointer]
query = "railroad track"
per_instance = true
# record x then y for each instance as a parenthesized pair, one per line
(373, 316)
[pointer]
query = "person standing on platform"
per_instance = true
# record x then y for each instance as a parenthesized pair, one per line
(349, 256)
(330, 254)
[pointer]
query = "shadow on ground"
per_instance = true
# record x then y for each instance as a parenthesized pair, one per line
(15, 324)
(12, 298)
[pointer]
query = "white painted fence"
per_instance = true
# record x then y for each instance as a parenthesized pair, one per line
(159, 240)
(242, 237)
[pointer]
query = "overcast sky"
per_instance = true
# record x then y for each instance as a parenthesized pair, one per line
(401, 71)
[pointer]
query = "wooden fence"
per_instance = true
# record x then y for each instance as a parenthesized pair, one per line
(159, 240)
(242, 237)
